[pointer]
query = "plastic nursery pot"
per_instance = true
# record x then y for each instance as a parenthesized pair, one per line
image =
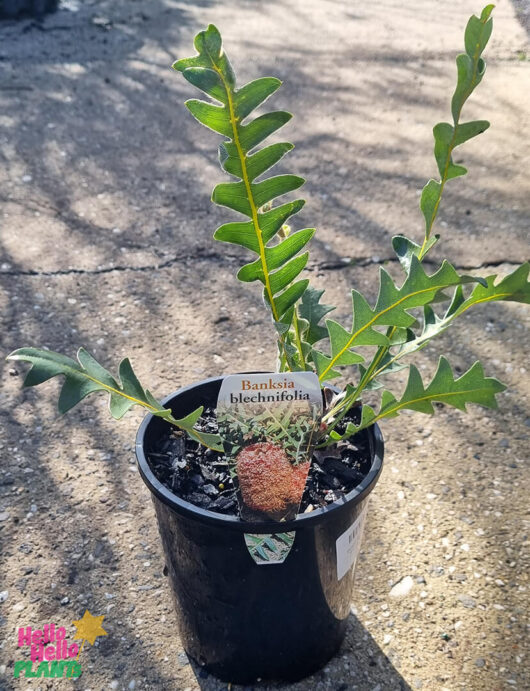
(26, 8)
(241, 620)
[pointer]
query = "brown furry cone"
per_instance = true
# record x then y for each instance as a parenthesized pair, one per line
(268, 481)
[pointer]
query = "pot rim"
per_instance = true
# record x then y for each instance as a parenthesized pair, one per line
(357, 494)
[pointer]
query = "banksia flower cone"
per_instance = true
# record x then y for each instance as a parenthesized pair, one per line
(268, 481)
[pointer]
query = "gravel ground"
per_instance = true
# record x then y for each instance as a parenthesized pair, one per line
(106, 242)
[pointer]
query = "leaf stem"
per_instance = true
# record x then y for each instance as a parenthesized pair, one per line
(296, 326)
(253, 208)
(456, 123)
(372, 321)
(372, 372)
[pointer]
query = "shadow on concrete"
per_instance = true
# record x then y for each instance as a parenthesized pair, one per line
(364, 666)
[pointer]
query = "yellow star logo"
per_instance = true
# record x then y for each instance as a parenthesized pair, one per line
(89, 628)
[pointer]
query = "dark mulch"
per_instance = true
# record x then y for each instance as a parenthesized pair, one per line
(201, 476)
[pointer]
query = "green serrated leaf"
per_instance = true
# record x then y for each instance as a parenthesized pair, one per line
(447, 138)
(88, 376)
(514, 288)
(253, 94)
(470, 66)
(208, 44)
(234, 196)
(313, 311)
(430, 198)
(477, 34)
(265, 158)
(340, 339)
(391, 309)
(215, 118)
(288, 298)
(270, 222)
(275, 267)
(471, 387)
(242, 234)
(276, 256)
(468, 130)
(258, 130)
(275, 187)
(207, 80)
(470, 70)
(281, 278)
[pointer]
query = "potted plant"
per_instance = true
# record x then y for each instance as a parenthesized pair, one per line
(284, 616)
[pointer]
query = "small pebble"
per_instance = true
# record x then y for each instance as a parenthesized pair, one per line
(183, 659)
(467, 601)
(402, 587)
(4, 595)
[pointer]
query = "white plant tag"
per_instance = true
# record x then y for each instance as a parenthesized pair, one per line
(349, 543)
(268, 423)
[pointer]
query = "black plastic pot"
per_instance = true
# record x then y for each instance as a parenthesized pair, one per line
(26, 8)
(240, 620)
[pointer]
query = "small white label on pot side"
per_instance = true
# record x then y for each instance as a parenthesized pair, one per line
(348, 544)
(270, 548)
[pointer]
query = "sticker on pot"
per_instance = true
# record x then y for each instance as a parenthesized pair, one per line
(269, 548)
(268, 423)
(349, 543)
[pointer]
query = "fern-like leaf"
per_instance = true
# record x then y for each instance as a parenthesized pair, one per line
(311, 312)
(471, 387)
(88, 376)
(278, 265)
(512, 288)
(391, 309)
(470, 70)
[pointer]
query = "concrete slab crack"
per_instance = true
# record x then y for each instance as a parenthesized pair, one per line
(213, 256)
(367, 261)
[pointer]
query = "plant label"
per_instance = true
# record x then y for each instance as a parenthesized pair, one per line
(267, 548)
(349, 543)
(268, 424)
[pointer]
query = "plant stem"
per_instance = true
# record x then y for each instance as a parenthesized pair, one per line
(298, 339)
(456, 122)
(253, 208)
(372, 372)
